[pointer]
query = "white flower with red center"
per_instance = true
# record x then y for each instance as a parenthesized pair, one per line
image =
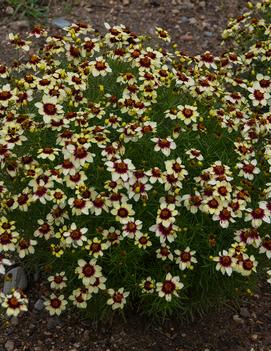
(58, 196)
(155, 175)
(165, 145)
(248, 236)
(55, 305)
(142, 240)
(165, 233)
(187, 114)
(120, 169)
(147, 285)
(78, 155)
(79, 206)
(96, 247)
(171, 113)
(45, 230)
(164, 253)
(88, 271)
(192, 202)
(244, 149)
(225, 262)
(269, 276)
(75, 180)
(99, 67)
(225, 217)
(138, 190)
(248, 169)
(14, 303)
(57, 215)
(185, 259)
(211, 205)
(117, 298)
(49, 108)
(49, 153)
(247, 265)
(162, 34)
(131, 228)
(76, 81)
(176, 168)
(259, 97)
(262, 82)
(222, 189)
(112, 235)
(42, 194)
(26, 247)
(99, 203)
(8, 240)
(80, 296)
(4, 262)
(257, 216)
(75, 236)
(194, 154)
(58, 281)
(207, 60)
(169, 287)
(166, 214)
(123, 212)
(6, 95)
(98, 285)
(23, 200)
(266, 246)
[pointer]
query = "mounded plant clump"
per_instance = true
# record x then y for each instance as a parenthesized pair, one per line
(136, 176)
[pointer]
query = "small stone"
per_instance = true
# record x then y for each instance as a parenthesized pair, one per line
(86, 335)
(202, 3)
(14, 321)
(52, 323)
(9, 10)
(193, 20)
(61, 22)
(184, 19)
(9, 345)
(125, 2)
(244, 312)
(39, 305)
(254, 337)
(186, 37)
(21, 25)
(15, 278)
(237, 319)
(208, 34)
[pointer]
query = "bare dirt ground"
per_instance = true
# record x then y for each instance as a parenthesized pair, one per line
(196, 26)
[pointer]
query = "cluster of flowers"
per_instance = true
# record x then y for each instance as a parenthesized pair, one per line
(123, 166)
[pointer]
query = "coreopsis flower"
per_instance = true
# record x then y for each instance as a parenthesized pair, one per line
(80, 296)
(155, 175)
(19, 42)
(74, 236)
(225, 262)
(117, 298)
(14, 303)
(45, 230)
(165, 145)
(142, 241)
(192, 202)
(266, 246)
(164, 233)
(79, 206)
(248, 169)
(176, 168)
(98, 285)
(248, 236)
(8, 240)
(96, 247)
(58, 281)
(48, 153)
(132, 228)
(55, 305)
(225, 217)
(26, 247)
(122, 212)
(163, 252)
(4, 262)
(169, 287)
(57, 250)
(187, 114)
(120, 169)
(166, 214)
(147, 285)
(257, 216)
(211, 205)
(259, 97)
(162, 34)
(269, 276)
(48, 108)
(57, 215)
(88, 271)
(112, 236)
(247, 265)
(99, 204)
(194, 154)
(185, 258)
(99, 67)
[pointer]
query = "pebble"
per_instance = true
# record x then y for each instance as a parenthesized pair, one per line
(52, 323)
(186, 37)
(60, 22)
(125, 2)
(202, 4)
(14, 321)
(16, 277)
(20, 25)
(254, 337)
(193, 20)
(244, 312)
(184, 19)
(9, 10)
(39, 305)
(208, 34)
(237, 319)
(9, 345)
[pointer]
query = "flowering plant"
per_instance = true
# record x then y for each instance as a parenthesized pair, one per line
(131, 174)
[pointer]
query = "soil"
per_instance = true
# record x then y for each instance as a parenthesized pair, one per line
(196, 26)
